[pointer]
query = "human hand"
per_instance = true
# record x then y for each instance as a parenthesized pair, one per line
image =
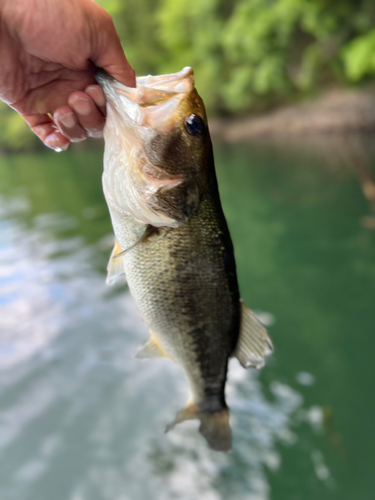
(49, 52)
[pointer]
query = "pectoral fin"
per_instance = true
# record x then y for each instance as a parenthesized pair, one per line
(116, 261)
(115, 266)
(151, 349)
(147, 232)
(253, 343)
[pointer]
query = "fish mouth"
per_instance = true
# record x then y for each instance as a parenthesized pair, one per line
(155, 100)
(175, 82)
(132, 183)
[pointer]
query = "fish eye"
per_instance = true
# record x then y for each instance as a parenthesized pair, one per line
(194, 125)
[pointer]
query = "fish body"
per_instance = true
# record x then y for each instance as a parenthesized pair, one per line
(173, 242)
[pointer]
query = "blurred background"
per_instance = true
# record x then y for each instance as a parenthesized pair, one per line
(290, 92)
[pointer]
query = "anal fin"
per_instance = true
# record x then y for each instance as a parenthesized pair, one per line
(254, 343)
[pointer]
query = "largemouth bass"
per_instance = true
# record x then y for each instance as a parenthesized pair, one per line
(173, 242)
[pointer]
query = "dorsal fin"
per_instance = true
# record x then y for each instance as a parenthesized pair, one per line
(253, 343)
(151, 349)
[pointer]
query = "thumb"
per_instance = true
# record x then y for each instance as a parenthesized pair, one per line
(110, 56)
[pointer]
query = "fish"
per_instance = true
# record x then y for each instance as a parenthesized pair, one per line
(173, 243)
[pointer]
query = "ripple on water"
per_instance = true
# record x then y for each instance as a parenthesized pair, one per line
(82, 419)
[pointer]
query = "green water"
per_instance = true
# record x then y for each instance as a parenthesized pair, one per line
(81, 419)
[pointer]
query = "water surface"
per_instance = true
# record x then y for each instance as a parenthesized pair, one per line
(81, 419)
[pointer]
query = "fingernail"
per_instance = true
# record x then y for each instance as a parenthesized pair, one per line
(54, 142)
(96, 95)
(67, 120)
(82, 106)
(79, 139)
(96, 133)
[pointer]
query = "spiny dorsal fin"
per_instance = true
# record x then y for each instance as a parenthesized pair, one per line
(253, 343)
(115, 266)
(151, 349)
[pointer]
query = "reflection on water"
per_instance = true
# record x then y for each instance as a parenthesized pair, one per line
(81, 418)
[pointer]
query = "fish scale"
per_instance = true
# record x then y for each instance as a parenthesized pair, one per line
(179, 279)
(173, 242)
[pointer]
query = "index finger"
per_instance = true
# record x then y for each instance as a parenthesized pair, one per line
(44, 127)
(110, 56)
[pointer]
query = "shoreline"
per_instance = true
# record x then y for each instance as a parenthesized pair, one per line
(336, 113)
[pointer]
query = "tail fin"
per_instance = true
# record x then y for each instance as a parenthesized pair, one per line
(216, 430)
(214, 426)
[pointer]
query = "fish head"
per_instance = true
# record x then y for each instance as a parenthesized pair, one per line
(157, 147)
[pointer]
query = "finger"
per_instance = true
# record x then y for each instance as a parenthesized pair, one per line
(68, 124)
(44, 127)
(48, 97)
(109, 54)
(88, 115)
(97, 95)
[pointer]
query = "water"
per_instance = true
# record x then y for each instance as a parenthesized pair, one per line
(81, 419)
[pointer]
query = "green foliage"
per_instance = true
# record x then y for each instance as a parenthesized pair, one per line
(359, 56)
(247, 54)
(14, 133)
(250, 53)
